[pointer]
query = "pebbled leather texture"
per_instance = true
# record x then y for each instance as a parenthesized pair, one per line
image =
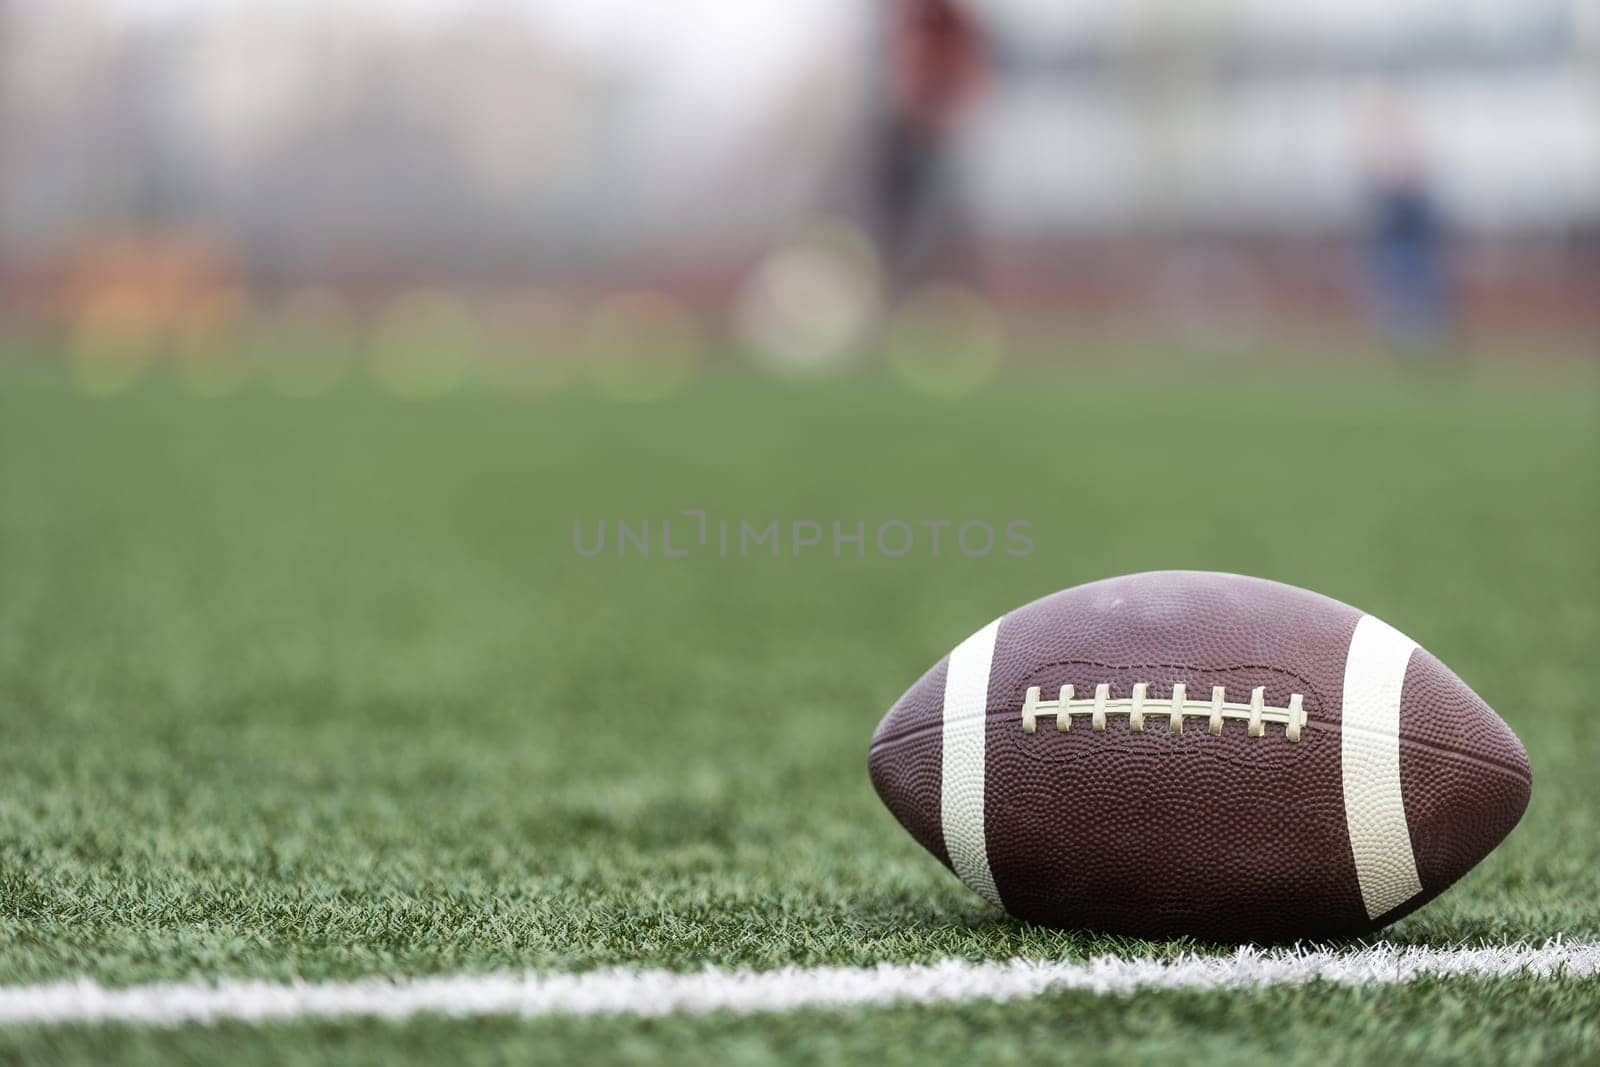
(1230, 837)
(905, 760)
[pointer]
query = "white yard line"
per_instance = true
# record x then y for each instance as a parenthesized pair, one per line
(646, 993)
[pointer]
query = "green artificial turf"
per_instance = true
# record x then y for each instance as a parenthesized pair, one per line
(321, 688)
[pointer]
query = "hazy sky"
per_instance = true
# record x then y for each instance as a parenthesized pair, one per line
(607, 17)
(719, 87)
(749, 36)
(726, 35)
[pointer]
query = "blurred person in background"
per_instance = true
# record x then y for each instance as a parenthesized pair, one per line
(937, 65)
(1405, 255)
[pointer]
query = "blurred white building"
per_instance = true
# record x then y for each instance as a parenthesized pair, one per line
(1248, 113)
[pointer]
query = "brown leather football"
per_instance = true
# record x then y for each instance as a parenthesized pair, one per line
(1185, 753)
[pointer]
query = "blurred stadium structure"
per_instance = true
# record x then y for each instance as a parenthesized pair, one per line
(1222, 170)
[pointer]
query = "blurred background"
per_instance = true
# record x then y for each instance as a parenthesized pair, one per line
(481, 189)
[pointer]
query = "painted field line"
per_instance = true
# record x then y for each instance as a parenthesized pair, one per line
(651, 993)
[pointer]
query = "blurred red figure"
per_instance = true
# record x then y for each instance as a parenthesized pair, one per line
(938, 64)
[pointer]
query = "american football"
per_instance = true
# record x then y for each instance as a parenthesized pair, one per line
(1211, 755)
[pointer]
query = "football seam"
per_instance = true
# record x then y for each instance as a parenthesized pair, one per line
(1315, 694)
(884, 744)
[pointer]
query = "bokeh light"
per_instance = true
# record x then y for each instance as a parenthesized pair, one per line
(423, 343)
(945, 340)
(642, 346)
(813, 302)
(114, 338)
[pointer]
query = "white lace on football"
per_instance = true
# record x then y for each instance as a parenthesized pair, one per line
(1179, 706)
